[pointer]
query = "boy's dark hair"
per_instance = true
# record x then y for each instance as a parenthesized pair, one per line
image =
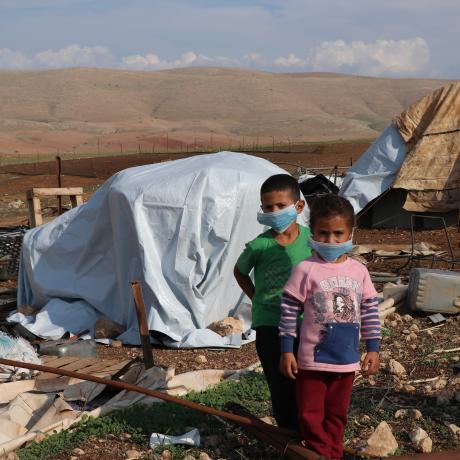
(281, 182)
(331, 205)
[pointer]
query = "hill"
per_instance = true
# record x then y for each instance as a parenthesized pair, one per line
(84, 109)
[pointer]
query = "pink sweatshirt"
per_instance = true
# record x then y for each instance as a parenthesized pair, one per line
(339, 305)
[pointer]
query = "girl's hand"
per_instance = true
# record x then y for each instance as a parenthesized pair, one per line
(288, 365)
(371, 363)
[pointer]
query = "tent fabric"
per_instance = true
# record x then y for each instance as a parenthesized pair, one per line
(376, 169)
(178, 227)
(431, 171)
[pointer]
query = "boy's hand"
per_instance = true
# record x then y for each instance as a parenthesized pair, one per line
(371, 363)
(288, 365)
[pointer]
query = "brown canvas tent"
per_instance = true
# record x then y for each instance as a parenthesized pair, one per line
(414, 166)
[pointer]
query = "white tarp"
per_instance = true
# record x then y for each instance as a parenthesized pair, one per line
(177, 227)
(376, 169)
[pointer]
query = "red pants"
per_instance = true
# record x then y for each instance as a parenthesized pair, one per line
(323, 399)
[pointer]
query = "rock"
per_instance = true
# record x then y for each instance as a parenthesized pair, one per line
(426, 445)
(412, 336)
(79, 452)
(116, 343)
(40, 437)
(227, 326)
(204, 456)
(105, 328)
(166, 455)
(393, 323)
(364, 419)
(201, 359)
(125, 436)
(412, 413)
(396, 368)
(421, 440)
(413, 346)
(439, 384)
(381, 443)
(12, 456)
(189, 457)
(132, 454)
(454, 429)
(407, 318)
(73, 458)
(414, 328)
(269, 420)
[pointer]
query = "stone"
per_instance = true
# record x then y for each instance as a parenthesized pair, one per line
(406, 331)
(79, 452)
(426, 445)
(125, 436)
(73, 457)
(439, 384)
(412, 413)
(12, 456)
(201, 359)
(407, 318)
(412, 336)
(393, 323)
(204, 456)
(166, 455)
(381, 443)
(105, 328)
(189, 457)
(116, 343)
(454, 429)
(269, 420)
(364, 419)
(421, 440)
(227, 326)
(396, 368)
(132, 454)
(414, 328)
(413, 346)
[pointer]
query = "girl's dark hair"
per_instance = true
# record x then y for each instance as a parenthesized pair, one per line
(331, 205)
(281, 182)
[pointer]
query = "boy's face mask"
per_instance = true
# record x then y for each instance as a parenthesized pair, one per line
(330, 252)
(280, 220)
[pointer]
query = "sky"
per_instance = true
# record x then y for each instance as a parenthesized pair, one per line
(390, 38)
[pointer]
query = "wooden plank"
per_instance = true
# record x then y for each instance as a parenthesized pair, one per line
(57, 191)
(60, 361)
(74, 364)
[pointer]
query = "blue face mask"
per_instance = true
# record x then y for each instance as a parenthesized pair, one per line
(330, 252)
(278, 220)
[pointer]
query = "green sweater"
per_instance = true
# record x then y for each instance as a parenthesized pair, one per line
(272, 264)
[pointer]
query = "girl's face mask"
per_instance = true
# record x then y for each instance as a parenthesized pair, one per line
(280, 220)
(330, 252)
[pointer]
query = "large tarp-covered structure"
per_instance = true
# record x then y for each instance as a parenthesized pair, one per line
(177, 227)
(417, 157)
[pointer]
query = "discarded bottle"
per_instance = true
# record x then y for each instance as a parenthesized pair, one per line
(80, 348)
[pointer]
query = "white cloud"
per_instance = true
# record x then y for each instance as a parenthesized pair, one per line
(255, 59)
(381, 57)
(153, 62)
(291, 60)
(10, 59)
(74, 56)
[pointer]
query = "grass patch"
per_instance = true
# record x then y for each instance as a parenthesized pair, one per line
(251, 391)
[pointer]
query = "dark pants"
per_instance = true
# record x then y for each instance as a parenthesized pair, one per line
(323, 399)
(282, 389)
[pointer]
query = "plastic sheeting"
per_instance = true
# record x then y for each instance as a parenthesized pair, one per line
(178, 227)
(376, 169)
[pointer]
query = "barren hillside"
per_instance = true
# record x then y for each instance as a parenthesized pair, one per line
(76, 109)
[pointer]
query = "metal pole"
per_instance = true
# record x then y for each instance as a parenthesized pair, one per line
(143, 327)
(280, 439)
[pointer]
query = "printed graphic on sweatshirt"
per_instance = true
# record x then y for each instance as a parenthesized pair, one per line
(337, 301)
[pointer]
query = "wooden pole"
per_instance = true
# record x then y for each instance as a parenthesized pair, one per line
(59, 182)
(143, 326)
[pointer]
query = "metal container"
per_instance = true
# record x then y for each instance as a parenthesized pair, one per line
(433, 290)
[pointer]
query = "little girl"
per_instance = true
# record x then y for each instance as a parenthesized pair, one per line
(339, 304)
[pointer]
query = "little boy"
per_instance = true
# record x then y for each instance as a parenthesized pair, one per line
(272, 255)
